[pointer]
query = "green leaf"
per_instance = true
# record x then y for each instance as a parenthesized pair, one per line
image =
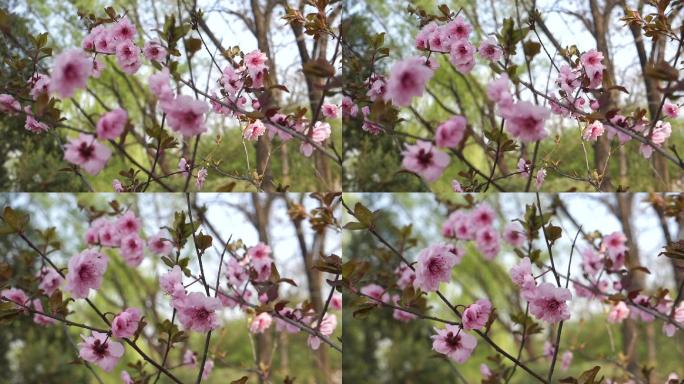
(363, 214)
(16, 220)
(354, 225)
(203, 241)
(192, 45)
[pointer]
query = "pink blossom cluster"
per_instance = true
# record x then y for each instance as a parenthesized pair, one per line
(477, 225)
(237, 97)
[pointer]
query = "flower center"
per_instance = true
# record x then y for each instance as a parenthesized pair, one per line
(86, 150)
(424, 157)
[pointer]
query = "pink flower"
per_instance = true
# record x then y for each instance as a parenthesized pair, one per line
(524, 168)
(189, 358)
(201, 178)
(126, 378)
(282, 325)
(498, 91)
(487, 241)
(514, 234)
(172, 283)
(123, 30)
(348, 107)
(592, 262)
(618, 313)
(616, 248)
(208, 367)
(87, 152)
(103, 40)
(186, 115)
(566, 360)
(88, 42)
(197, 312)
(126, 323)
(483, 215)
(320, 132)
(159, 85)
(33, 125)
(70, 72)
(592, 59)
(99, 349)
(521, 274)
(259, 251)
(236, 273)
(41, 84)
(331, 111)
(50, 280)
(373, 290)
(132, 249)
(231, 80)
(450, 133)
(462, 52)
(425, 160)
(128, 223)
(17, 296)
(457, 29)
(539, 180)
(405, 276)
(477, 314)
(525, 121)
(326, 328)
(127, 53)
(255, 62)
(41, 319)
(111, 125)
(549, 350)
(160, 244)
(485, 371)
(593, 131)
(262, 268)
(8, 104)
(454, 343)
(85, 272)
(423, 36)
(336, 302)
(671, 110)
(434, 266)
(154, 51)
(568, 80)
(638, 313)
(260, 323)
(456, 186)
(254, 130)
(490, 50)
(116, 184)
(407, 79)
(548, 303)
(458, 225)
(109, 235)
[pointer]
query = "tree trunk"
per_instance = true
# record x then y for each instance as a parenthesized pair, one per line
(264, 341)
(633, 281)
